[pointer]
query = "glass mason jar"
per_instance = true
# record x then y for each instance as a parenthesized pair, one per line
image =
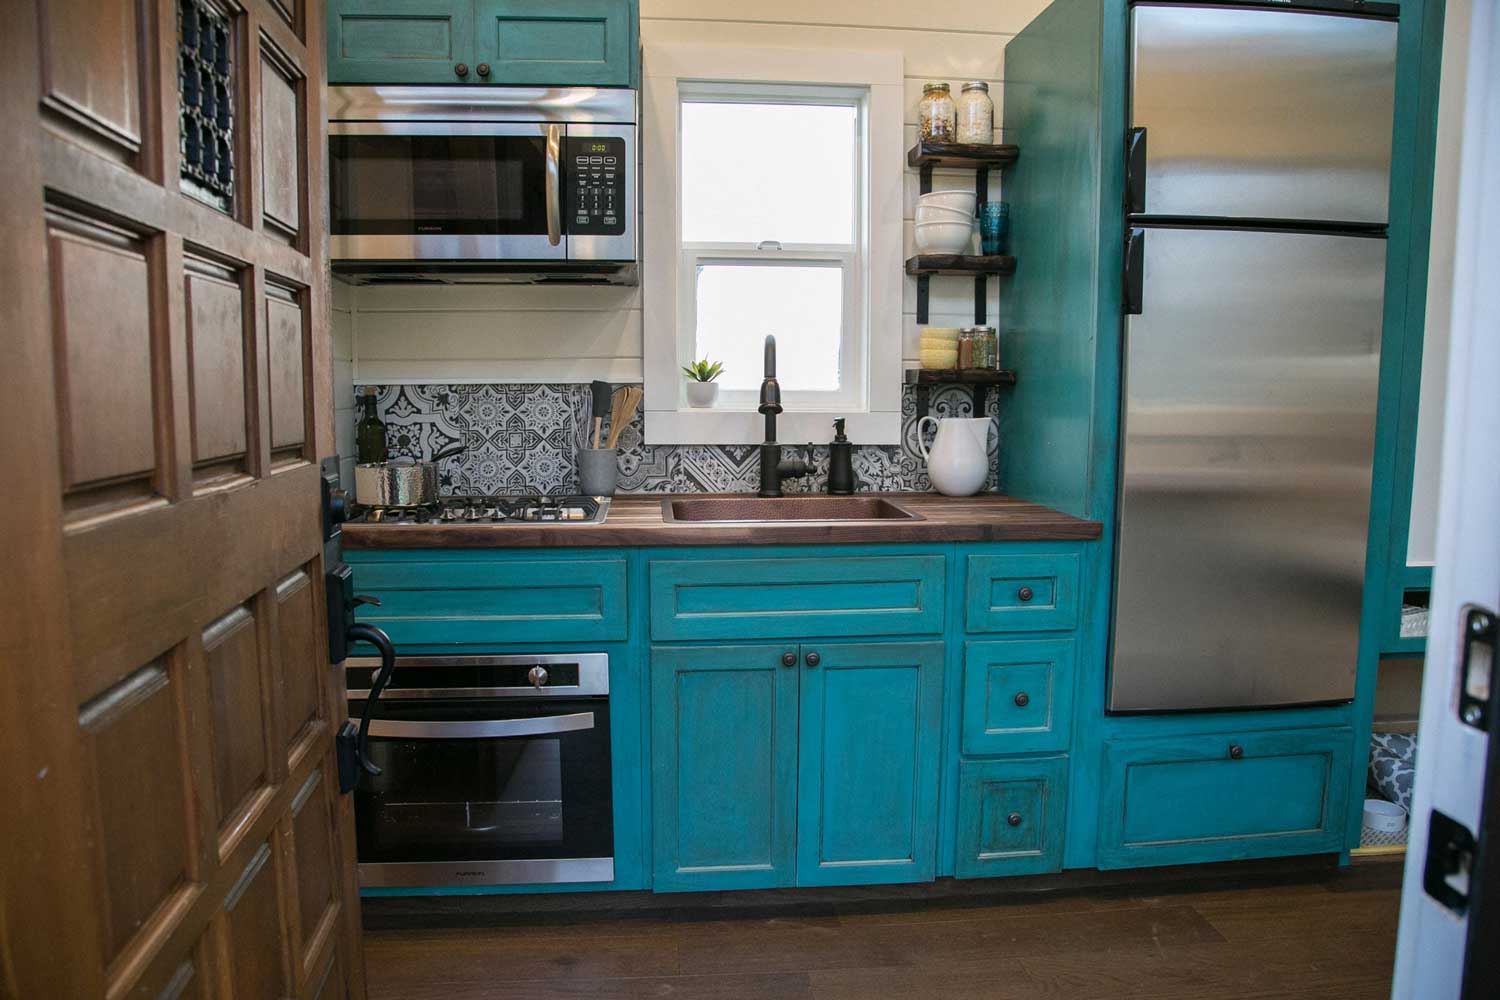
(936, 114)
(976, 113)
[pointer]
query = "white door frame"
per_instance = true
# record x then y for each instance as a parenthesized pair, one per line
(1451, 757)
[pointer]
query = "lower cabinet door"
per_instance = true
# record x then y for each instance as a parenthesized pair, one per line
(724, 766)
(871, 719)
(1010, 816)
(1171, 800)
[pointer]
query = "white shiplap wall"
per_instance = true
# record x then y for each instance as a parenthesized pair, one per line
(525, 334)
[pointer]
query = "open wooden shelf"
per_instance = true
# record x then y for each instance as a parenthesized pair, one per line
(960, 376)
(958, 263)
(980, 380)
(962, 155)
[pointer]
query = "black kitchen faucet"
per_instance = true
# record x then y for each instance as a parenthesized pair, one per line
(773, 468)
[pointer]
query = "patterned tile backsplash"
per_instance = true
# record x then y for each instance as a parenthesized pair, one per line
(523, 437)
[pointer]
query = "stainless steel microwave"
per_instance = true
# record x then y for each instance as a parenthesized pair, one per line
(492, 184)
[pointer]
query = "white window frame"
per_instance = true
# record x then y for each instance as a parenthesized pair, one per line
(871, 349)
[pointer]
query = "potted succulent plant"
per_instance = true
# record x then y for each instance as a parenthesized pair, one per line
(702, 390)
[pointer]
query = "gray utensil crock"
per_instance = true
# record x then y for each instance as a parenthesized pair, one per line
(598, 471)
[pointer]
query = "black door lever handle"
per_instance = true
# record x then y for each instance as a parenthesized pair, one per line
(382, 642)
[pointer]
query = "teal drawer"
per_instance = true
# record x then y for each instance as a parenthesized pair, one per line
(1018, 695)
(425, 602)
(1022, 593)
(1223, 796)
(796, 597)
(400, 41)
(557, 42)
(1010, 816)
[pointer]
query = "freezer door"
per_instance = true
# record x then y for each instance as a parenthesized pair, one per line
(1264, 114)
(1249, 425)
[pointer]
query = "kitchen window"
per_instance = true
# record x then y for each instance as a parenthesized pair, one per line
(778, 206)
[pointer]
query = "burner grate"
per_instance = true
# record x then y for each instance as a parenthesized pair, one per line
(494, 510)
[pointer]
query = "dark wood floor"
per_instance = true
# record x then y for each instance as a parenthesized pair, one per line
(1328, 935)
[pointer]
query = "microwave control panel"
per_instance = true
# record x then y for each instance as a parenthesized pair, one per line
(594, 169)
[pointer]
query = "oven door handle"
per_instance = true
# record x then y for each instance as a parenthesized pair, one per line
(480, 729)
(554, 185)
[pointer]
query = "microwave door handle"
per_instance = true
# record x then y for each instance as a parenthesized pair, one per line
(480, 729)
(554, 185)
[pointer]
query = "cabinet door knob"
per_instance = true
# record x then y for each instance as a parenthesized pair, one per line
(1025, 594)
(462, 69)
(1014, 819)
(1236, 751)
(788, 659)
(1022, 699)
(483, 69)
(813, 659)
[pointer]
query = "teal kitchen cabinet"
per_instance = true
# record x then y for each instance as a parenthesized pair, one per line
(558, 42)
(561, 43)
(724, 766)
(782, 764)
(870, 722)
(493, 599)
(1223, 796)
(1010, 816)
(1018, 695)
(1022, 593)
(790, 597)
(400, 41)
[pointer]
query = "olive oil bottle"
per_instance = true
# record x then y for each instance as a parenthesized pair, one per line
(369, 434)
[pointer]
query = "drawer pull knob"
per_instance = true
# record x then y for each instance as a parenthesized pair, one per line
(462, 69)
(788, 659)
(1014, 819)
(813, 659)
(1236, 751)
(483, 69)
(1025, 594)
(1023, 699)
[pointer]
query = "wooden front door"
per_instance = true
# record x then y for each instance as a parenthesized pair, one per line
(169, 811)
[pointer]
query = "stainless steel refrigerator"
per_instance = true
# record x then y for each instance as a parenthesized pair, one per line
(1258, 183)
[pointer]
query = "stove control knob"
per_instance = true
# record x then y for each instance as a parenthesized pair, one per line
(537, 676)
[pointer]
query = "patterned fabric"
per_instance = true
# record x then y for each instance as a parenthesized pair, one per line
(523, 438)
(1393, 766)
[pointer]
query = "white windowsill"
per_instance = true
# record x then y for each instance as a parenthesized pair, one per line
(711, 426)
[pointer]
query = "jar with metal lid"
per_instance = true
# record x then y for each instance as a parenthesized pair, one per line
(986, 347)
(936, 114)
(976, 113)
(966, 347)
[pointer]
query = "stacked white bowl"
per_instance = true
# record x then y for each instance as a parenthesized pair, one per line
(945, 222)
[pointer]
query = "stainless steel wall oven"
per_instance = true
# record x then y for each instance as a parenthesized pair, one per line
(494, 770)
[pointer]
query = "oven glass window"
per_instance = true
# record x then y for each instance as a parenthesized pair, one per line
(406, 185)
(474, 798)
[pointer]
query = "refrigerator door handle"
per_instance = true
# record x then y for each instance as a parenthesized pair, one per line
(1135, 170)
(1135, 270)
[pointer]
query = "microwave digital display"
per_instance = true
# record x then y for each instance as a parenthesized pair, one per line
(595, 180)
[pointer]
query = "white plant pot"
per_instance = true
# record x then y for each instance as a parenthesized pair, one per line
(702, 393)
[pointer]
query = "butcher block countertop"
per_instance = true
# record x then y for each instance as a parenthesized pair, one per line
(638, 521)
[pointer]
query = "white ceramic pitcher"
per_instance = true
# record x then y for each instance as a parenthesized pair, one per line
(959, 461)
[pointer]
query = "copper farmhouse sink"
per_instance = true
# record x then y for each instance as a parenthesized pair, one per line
(723, 510)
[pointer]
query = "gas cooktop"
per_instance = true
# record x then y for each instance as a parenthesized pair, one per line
(493, 510)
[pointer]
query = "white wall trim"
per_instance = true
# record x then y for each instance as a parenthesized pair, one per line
(668, 419)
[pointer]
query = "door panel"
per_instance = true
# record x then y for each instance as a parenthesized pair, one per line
(570, 43)
(871, 715)
(1266, 114)
(723, 766)
(168, 812)
(400, 41)
(1250, 390)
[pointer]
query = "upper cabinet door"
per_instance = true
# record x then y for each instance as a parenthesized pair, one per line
(557, 43)
(1264, 114)
(401, 41)
(871, 715)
